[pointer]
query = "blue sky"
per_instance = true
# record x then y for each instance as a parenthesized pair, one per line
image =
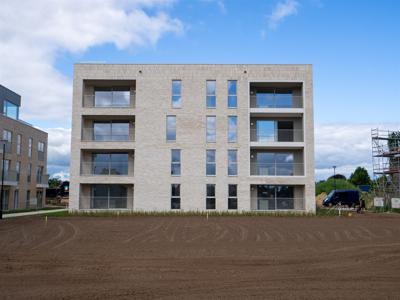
(353, 45)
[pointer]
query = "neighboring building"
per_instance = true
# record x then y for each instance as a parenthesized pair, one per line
(192, 137)
(25, 165)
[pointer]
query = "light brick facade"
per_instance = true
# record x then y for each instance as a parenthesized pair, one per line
(149, 183)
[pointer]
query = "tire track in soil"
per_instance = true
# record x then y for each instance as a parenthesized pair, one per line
(61, 232)
(144, 233)
(75, 232)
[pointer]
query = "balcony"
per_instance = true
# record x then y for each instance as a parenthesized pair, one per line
(106, 196)
(106, 169)
(10, 177)
(109, 94)
(267, 100)
(279, 203)
(276, 169)
(277, 135)
(95, 135)
(42, 181)
(277, 197)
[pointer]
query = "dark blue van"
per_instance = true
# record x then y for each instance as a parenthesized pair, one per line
(344, 197)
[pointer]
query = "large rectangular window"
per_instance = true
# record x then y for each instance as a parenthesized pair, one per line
(210, 198)
(232, 163)
(210, 163)
(232, 196)
(19, 141)
(211, 131)
(211, 97)
(175, 196)
(232, 93)
(39, 174)
(109, 196)
(171, 128)
(10, 110)
(16, 199)
(270, 197)
(275, 164)
(232, 129)
(112, 97)
(30, 141)
(111, 131)
(176, 93)
(175, 162)
(110, 163)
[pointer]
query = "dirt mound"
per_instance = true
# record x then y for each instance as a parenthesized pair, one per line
(320, 198)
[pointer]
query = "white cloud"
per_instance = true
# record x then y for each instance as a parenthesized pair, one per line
(34, 32)
(346, 146)
(59, 149)
(282, 10)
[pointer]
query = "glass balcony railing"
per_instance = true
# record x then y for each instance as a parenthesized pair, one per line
(90, 134)
(265, 100)
(10, 176)
(276, 169)
(107, 168)
(280, 203)
(106, 202)
(278, 135)
(42, 179)
(110, 99)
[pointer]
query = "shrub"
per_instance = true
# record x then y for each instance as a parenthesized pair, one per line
(329, 185)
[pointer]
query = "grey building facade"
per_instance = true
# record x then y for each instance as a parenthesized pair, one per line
(192, 137)
(25, 164)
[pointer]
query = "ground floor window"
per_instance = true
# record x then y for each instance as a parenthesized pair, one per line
(28, 199)
(210, 199)
(232, 196)
(175, 196)
(5, 199)
(16, 199)
(109, 196)
(271, 197)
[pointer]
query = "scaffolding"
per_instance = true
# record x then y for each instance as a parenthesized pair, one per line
(386, 163)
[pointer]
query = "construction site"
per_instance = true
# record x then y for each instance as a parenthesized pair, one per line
(386, 166)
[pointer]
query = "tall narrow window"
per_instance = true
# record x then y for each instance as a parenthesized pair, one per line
(7, 136)
(28, 199)
(30, 147)
(19, 141)
(175, 162)
(210, 198)
(176, 93)
(18, 169)
(175, 196)
(29, 172)
(232, 196)
(171, 128)
(232, 163)
(210, 163)
(232, 93)
(211, 129)
(40, 150)
(232, 129)
(16, 199)
(211, 97)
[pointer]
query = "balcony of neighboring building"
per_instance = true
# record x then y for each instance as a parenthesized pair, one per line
(278, 133)
(282, 163)
(42, 181)
(105, 132)
(107, 167)
(108, 96)
(11, 177)
(106, 196)
(276, 97)
(277, 197)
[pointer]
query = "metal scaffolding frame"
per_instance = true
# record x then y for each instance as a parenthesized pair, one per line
(386, 163)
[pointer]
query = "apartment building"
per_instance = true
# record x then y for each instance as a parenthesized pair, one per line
(25, 164)
(192, 137)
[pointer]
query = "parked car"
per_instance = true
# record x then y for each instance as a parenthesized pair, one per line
(344, 197)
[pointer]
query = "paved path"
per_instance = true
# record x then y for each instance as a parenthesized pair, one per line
(31, 213)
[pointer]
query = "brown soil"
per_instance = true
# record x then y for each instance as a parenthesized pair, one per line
(192, 257)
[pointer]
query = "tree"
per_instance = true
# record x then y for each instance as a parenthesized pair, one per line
(329, 185)
(360, 177)
(338, 176)
(54, 183)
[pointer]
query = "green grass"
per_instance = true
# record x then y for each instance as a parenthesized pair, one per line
(320, 212)
(14, 211)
